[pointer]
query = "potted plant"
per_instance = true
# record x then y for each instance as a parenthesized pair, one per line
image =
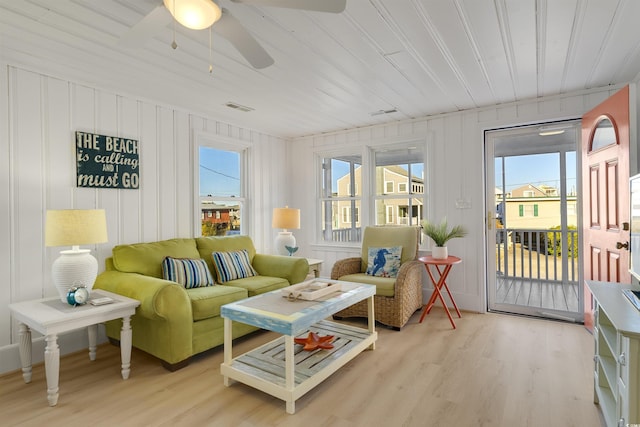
(441, 234)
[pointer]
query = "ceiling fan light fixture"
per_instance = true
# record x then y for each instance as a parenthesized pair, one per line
(194, 14)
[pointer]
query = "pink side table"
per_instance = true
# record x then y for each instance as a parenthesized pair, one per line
(442, 266)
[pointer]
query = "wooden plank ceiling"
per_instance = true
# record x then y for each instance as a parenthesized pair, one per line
(336, 71)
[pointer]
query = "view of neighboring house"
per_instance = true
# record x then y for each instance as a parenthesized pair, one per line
(390, 181)
(218, 219)
(534, 207)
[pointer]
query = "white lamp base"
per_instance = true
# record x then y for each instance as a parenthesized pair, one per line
(76, 267)
(283, 239)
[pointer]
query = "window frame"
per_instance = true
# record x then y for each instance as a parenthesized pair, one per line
(217, 142)
(368, 197)
(399, 195)
(355, 199)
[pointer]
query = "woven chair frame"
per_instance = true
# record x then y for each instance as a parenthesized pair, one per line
(392, 311)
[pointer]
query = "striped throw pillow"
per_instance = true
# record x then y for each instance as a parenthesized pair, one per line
(232, 265)
(190, 273)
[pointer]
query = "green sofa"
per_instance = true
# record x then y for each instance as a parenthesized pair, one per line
(174, 323)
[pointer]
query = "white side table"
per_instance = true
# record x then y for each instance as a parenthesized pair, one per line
(51, 317)
(314, 266)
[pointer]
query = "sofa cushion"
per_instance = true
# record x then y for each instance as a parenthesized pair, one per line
(190, 273)
(384, 262)
(206, 302)
(207, 245)
(385, 286)
(146, 258)
(259, 284)
(232, 265)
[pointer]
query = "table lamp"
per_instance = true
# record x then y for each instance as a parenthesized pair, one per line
(285, 218)
(75, 227)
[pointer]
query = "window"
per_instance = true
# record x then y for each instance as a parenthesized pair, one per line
(405, 168)
(393, 185)
(528, 210)
(221, 190)
(346, 215)
(340, 198)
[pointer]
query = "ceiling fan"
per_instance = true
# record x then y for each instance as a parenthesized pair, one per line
(201, 14)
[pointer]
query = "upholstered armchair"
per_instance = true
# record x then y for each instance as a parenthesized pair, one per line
(397, 298)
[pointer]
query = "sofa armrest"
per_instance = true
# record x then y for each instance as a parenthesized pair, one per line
(158, 298)
(345, 266)
(294, 269)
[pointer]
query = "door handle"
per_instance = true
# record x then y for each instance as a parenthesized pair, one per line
(489, 220)
(620, 245)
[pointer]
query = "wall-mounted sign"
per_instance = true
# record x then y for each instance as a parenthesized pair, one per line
(107, 161)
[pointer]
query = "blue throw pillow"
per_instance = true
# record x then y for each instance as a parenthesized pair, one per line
(384, 262)
(232, 265)
(190, 273)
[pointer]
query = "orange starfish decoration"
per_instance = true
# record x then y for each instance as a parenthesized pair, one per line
(314, 341)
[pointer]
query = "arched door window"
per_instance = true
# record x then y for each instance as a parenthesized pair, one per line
(604, 135)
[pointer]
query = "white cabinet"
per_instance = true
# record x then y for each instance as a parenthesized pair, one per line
(617, 355)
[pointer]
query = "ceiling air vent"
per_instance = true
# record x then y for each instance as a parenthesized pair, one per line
(238, 107)
(380, 112)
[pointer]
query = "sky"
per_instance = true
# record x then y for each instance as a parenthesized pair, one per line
(536, 169)
(219, 172)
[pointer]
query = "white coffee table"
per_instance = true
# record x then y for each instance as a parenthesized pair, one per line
(282, 369)
(52, 317)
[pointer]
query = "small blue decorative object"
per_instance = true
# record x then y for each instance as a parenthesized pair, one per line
(77, 295)
(291, 250)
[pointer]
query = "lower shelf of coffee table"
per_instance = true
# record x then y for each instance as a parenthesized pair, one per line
(264, 367)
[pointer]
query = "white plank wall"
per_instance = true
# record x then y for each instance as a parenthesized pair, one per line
(39, 115)
(37, 159)
(455, 170)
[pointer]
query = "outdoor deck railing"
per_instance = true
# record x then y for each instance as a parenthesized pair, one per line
(534, 254)
(345, 234)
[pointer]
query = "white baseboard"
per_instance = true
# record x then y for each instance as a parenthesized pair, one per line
(70, 342)
(463, 301)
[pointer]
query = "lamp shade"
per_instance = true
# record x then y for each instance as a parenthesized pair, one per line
(286, 218)
(73, 227)
(194, 14)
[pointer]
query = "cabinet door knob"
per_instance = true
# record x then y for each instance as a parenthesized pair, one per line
(622, 359)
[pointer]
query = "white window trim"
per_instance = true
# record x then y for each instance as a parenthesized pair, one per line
(367, 198)
(229, 144)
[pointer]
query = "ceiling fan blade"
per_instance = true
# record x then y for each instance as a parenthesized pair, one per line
(231, 29)
(146, 28)
(333, 6)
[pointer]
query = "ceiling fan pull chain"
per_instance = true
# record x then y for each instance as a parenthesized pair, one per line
(174, 45)
(210, 51)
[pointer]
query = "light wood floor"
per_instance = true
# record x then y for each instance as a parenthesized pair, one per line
(494, 370)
